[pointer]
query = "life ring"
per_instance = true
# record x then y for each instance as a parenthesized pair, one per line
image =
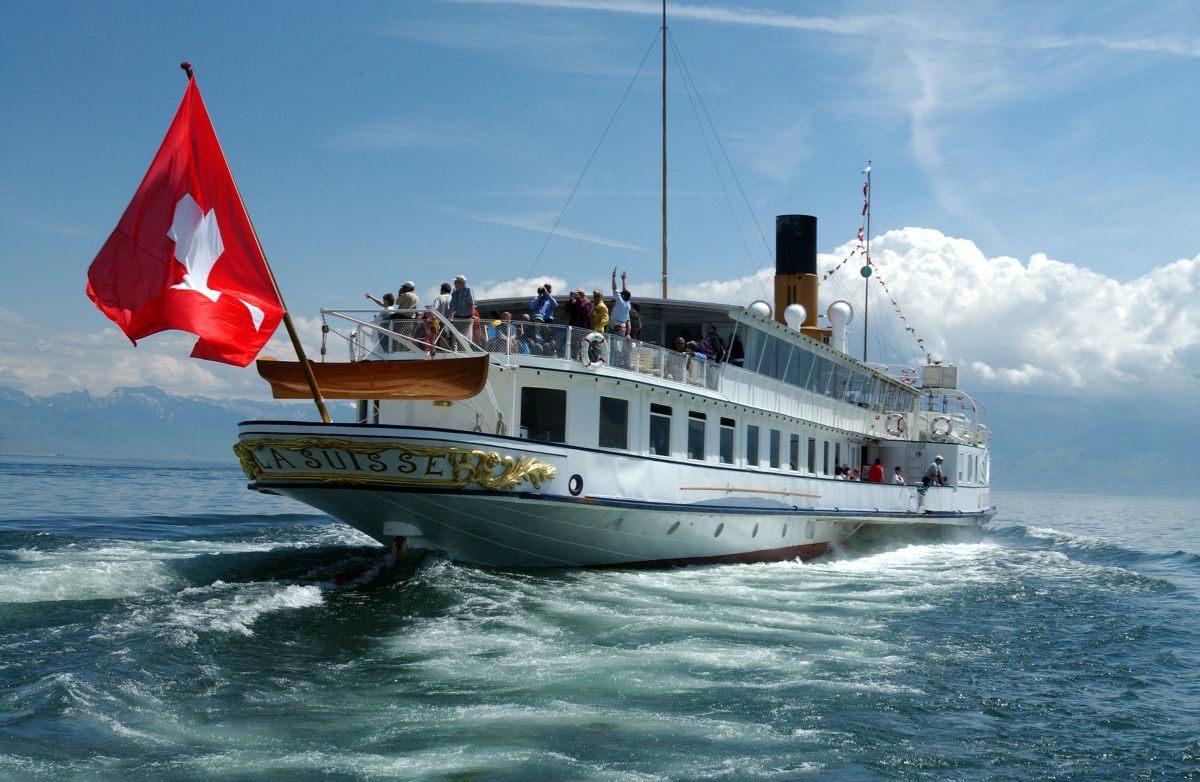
(895, 424)
(941, 426)
(592, 355)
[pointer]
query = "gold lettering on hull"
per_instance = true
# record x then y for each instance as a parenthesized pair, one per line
(386, 463)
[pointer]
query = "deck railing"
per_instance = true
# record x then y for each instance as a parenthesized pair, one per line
(415, 334)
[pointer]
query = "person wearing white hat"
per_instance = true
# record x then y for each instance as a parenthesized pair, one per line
(408, 300)
(934, 475)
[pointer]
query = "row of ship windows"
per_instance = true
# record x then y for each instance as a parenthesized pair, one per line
(544, 417)
(793, 364)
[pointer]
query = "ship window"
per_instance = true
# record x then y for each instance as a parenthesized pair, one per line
(870, 392)
(695, 441)
(614, 423)
(790, 355)
(803, 361)
(660, 430)
(812, 454)
(840, 375)
(794, 453)
(821, 376)
(752, 445)
(755, 345)
(837, 455)
(544, 414)
(775, 449)
(826, 458)
(727, 427)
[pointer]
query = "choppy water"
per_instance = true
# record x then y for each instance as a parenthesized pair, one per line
(163, 623)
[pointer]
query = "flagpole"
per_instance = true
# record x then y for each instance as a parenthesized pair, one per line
(287, 317)
(867, 279)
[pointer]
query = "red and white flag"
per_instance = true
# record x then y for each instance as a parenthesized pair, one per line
(184, 255)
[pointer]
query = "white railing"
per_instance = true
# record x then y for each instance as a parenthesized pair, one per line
(407, 335)
(569, 343)
(416, 334)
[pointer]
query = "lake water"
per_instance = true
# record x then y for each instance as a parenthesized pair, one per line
(164, 623)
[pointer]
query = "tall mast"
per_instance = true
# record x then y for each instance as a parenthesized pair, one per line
(664, 149)
(866, 270)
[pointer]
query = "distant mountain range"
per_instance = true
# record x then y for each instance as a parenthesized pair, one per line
(1040, 443)
(133, 423)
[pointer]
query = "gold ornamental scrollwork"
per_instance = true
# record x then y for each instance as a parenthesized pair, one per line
(485, 468)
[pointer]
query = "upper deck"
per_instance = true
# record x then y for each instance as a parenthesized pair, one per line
(782, 371)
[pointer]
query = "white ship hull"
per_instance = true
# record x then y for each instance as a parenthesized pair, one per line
(507, 502)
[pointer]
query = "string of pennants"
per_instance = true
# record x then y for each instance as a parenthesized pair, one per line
(861, 249)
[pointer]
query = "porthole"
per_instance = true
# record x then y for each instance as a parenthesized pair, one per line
(575, 485)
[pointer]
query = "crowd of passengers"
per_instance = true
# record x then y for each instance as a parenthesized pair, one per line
(618, 318)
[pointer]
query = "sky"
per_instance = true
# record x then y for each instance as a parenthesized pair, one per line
(1035, 182)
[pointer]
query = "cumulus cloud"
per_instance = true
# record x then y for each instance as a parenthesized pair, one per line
(1045, 324)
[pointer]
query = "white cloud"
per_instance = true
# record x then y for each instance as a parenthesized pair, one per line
(41, 359)
(1045, 324)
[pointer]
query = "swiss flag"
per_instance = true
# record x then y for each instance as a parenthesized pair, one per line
(184, 255)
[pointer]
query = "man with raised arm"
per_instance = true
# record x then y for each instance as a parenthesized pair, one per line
(618, 320)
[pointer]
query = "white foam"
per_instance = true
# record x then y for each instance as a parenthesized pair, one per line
(73, 574)
(236, 613)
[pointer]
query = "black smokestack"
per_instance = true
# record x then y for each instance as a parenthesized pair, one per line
(795, 244)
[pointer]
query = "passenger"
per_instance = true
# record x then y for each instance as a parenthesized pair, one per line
(599, 317)
(526, 336)
(712, 345)
(491, 331)
(441, 302)
(543, 304)
(696, 368)
(579, 318)
(898, 478)
(853, 475)
(579, 310)
(635, 321)
(506, 335)
(934, 475)
(402, 321)
(408, 300)
(462, 306)
(441, 305)
(383, 319)
(839, 473)
(541, 307)
(618, 324)
(875, 474)
(388, 300)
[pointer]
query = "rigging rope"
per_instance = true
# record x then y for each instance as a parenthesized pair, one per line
(588, 165)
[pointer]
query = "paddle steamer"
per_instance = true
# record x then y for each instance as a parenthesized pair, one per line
(543, 445)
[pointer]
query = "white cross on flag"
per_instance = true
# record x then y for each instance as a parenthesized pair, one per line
(184, 255)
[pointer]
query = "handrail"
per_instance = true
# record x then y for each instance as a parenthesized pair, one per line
(408, 334)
